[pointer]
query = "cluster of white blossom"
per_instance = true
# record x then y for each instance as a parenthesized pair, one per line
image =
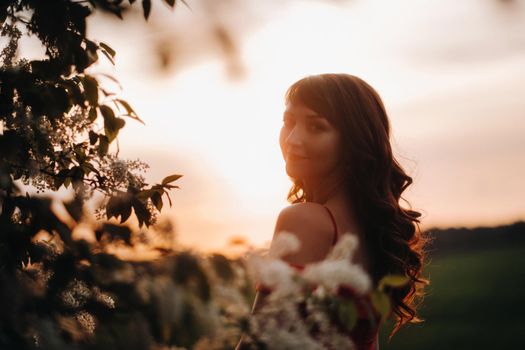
(335, 273)
(283, 244)
(75, 296)
(298, 298)
(86, 320)
(123, 173)
(335, 270)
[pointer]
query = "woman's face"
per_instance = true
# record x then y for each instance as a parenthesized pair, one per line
(311, 146)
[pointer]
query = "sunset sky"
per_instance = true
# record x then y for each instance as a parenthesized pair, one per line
(451, 74)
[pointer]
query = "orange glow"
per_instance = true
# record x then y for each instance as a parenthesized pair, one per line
(452, 92)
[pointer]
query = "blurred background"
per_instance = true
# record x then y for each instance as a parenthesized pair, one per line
(209, 78)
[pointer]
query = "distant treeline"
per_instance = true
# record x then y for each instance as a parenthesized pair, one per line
(458, 240)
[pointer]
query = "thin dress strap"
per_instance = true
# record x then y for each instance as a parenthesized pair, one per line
(334, 241)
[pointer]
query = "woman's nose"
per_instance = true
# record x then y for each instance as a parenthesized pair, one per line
(294, 138)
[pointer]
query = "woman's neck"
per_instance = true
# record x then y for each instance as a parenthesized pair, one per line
(321, 190)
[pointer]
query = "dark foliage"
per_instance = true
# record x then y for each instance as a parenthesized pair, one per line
(465, 240)
(57, 125)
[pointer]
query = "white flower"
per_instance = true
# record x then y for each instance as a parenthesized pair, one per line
(283, 244)
(86, 320)
(334, 273)
(279, 326)
(76, 294)
(273, 273)
(104, 298)
(345, 248)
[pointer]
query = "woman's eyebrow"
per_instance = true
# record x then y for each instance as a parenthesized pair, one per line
(312, 115)
(315, 116)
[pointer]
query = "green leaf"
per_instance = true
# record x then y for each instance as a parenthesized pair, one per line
(111, 207)
(141, 212)
(90, 85)
(125, 212)
(170, 178)
(58, 181)
(93, 137)
(92, 114)
(103, 145)
(108, 52)
(112, 125)
(131, 113)
(119, 205)
(73, 90)
(60, 178)
(381, 303)
(347, 314)
(143, 195)
(76, 173)
(91, 52)
(157, 200)
(146, 6)
(170, 186)
(108, 49)
(80, 151)
(394, 281)
(120, 123)
(169, 199)
(107, 112)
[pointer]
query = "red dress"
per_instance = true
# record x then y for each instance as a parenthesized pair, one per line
(365, 333)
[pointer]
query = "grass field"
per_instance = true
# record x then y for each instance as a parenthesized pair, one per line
(476, 301)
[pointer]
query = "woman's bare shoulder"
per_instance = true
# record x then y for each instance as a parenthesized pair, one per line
(307, 211)
(312, 225)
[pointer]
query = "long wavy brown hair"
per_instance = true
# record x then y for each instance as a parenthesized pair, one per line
(394, 241)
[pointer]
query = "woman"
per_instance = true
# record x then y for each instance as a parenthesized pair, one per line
(335, 139)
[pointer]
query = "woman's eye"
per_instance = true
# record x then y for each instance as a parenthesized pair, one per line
(315, 127)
